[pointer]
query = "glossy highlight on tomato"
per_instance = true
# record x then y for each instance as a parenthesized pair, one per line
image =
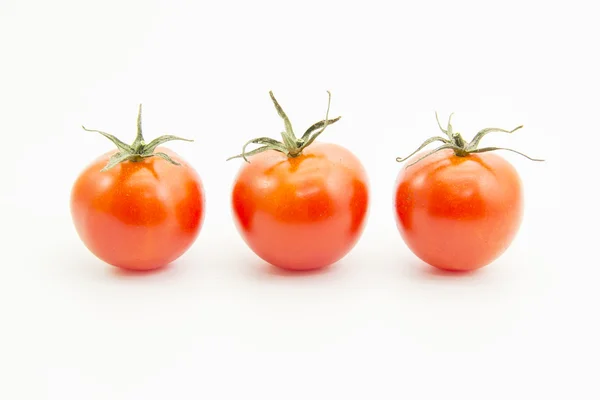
(459, 207)
(138, 208)
(300, 204)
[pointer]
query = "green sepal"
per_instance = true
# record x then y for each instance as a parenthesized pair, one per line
(290, 145)
(461, 147)
(139, 149)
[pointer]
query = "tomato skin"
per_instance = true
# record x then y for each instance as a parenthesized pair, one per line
(459, 213)
(138, 215)
(305, 212)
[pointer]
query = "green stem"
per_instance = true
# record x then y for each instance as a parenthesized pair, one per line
(289, 138)
(138, 143)
(290, 145)
(138, 150)
(461, 147)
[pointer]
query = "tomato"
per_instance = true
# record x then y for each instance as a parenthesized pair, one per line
(459, 207)
(139, 207)
(304, 212)
(303, 205)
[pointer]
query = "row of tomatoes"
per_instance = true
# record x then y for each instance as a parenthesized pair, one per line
(299, 203)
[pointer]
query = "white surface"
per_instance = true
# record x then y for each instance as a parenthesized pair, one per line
(217, 325)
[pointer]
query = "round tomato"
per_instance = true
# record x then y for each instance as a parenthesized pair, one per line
(459, 207)
(139, 207)
(300, 205)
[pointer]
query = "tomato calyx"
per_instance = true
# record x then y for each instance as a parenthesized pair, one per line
(139, 149)
(290, 145)
(459, 145)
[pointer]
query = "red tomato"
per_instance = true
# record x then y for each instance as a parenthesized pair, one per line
(459, 211)
(143, 212)
(300, 205)
(304, 212)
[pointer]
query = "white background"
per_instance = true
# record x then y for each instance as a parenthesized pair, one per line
(218, 323)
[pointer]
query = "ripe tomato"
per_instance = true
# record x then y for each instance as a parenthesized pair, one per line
(140, 207)
(459, 207)
(299, 207)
